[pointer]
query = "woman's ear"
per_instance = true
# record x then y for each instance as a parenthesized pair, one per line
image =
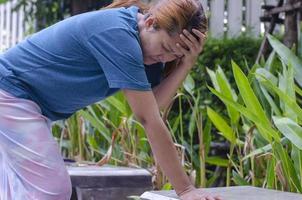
(149, 22)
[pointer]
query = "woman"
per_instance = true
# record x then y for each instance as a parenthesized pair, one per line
(82, 60)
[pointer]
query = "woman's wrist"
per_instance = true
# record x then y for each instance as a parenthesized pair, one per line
(186, 190)
(187, 65)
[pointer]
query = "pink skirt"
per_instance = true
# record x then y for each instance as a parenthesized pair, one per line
(31, 167)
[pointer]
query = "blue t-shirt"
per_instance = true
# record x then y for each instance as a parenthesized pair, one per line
(78, 61)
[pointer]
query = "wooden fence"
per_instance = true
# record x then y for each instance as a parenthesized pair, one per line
(226, 18)
(232, 17)
(12, 26)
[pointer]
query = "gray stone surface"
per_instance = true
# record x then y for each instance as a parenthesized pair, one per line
(108, 182)
(230, 193)
(109, 193)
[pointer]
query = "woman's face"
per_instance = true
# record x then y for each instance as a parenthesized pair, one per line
(159, 46)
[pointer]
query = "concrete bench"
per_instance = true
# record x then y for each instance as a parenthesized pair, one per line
(108, 182)
(230, 193)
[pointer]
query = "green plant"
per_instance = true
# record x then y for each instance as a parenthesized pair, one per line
(273, 129)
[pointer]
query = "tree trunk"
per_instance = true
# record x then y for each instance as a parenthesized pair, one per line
(290, 24)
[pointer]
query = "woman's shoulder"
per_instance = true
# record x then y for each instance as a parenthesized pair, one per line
(114, 19)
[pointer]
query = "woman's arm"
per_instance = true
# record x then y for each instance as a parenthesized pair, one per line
(166, 90)
(144, 107)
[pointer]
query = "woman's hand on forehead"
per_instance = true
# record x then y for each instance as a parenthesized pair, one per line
(190, 41)
(191, 47)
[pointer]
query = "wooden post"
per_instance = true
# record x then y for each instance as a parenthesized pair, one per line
(7, 24)
(234, 17)
(277, 28)
(291, 28)
(253, 13)
(264, 48)
(1, 26)
(14, 24)
(217, 18)
(21, 24)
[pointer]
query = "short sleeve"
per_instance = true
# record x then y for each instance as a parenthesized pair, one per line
(154, 73)
(118, 53)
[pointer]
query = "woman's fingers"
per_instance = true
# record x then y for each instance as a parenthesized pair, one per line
(202, 36)
(182, 49)
(213, 197)
(218, 198)
(191, 42)
(190, 37)
(210, 198)
(189, 45)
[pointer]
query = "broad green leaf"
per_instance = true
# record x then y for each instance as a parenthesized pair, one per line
(270, 60)
(250, 99)
(274, 80)
(213, 79)
(214, 160)
(290, 129)
(192, 122)
(97, 124)
(270, 173)
(261, 97)
(223, 77)
(207, 136)
(298, 90)
(288, 85)
(268, 75)
(227, 91)
(251, 76)
(250, 115)
(248, 95)
(91, 141)
(271, 101)
(189, 84)
(120, 106)
(175, 124)
(296, 155)
(286, 99)
(263, 149)
(288, 57)
(288, 168)
(221, 125)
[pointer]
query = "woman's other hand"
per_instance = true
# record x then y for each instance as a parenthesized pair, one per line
(196, 194)
(193, 47)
